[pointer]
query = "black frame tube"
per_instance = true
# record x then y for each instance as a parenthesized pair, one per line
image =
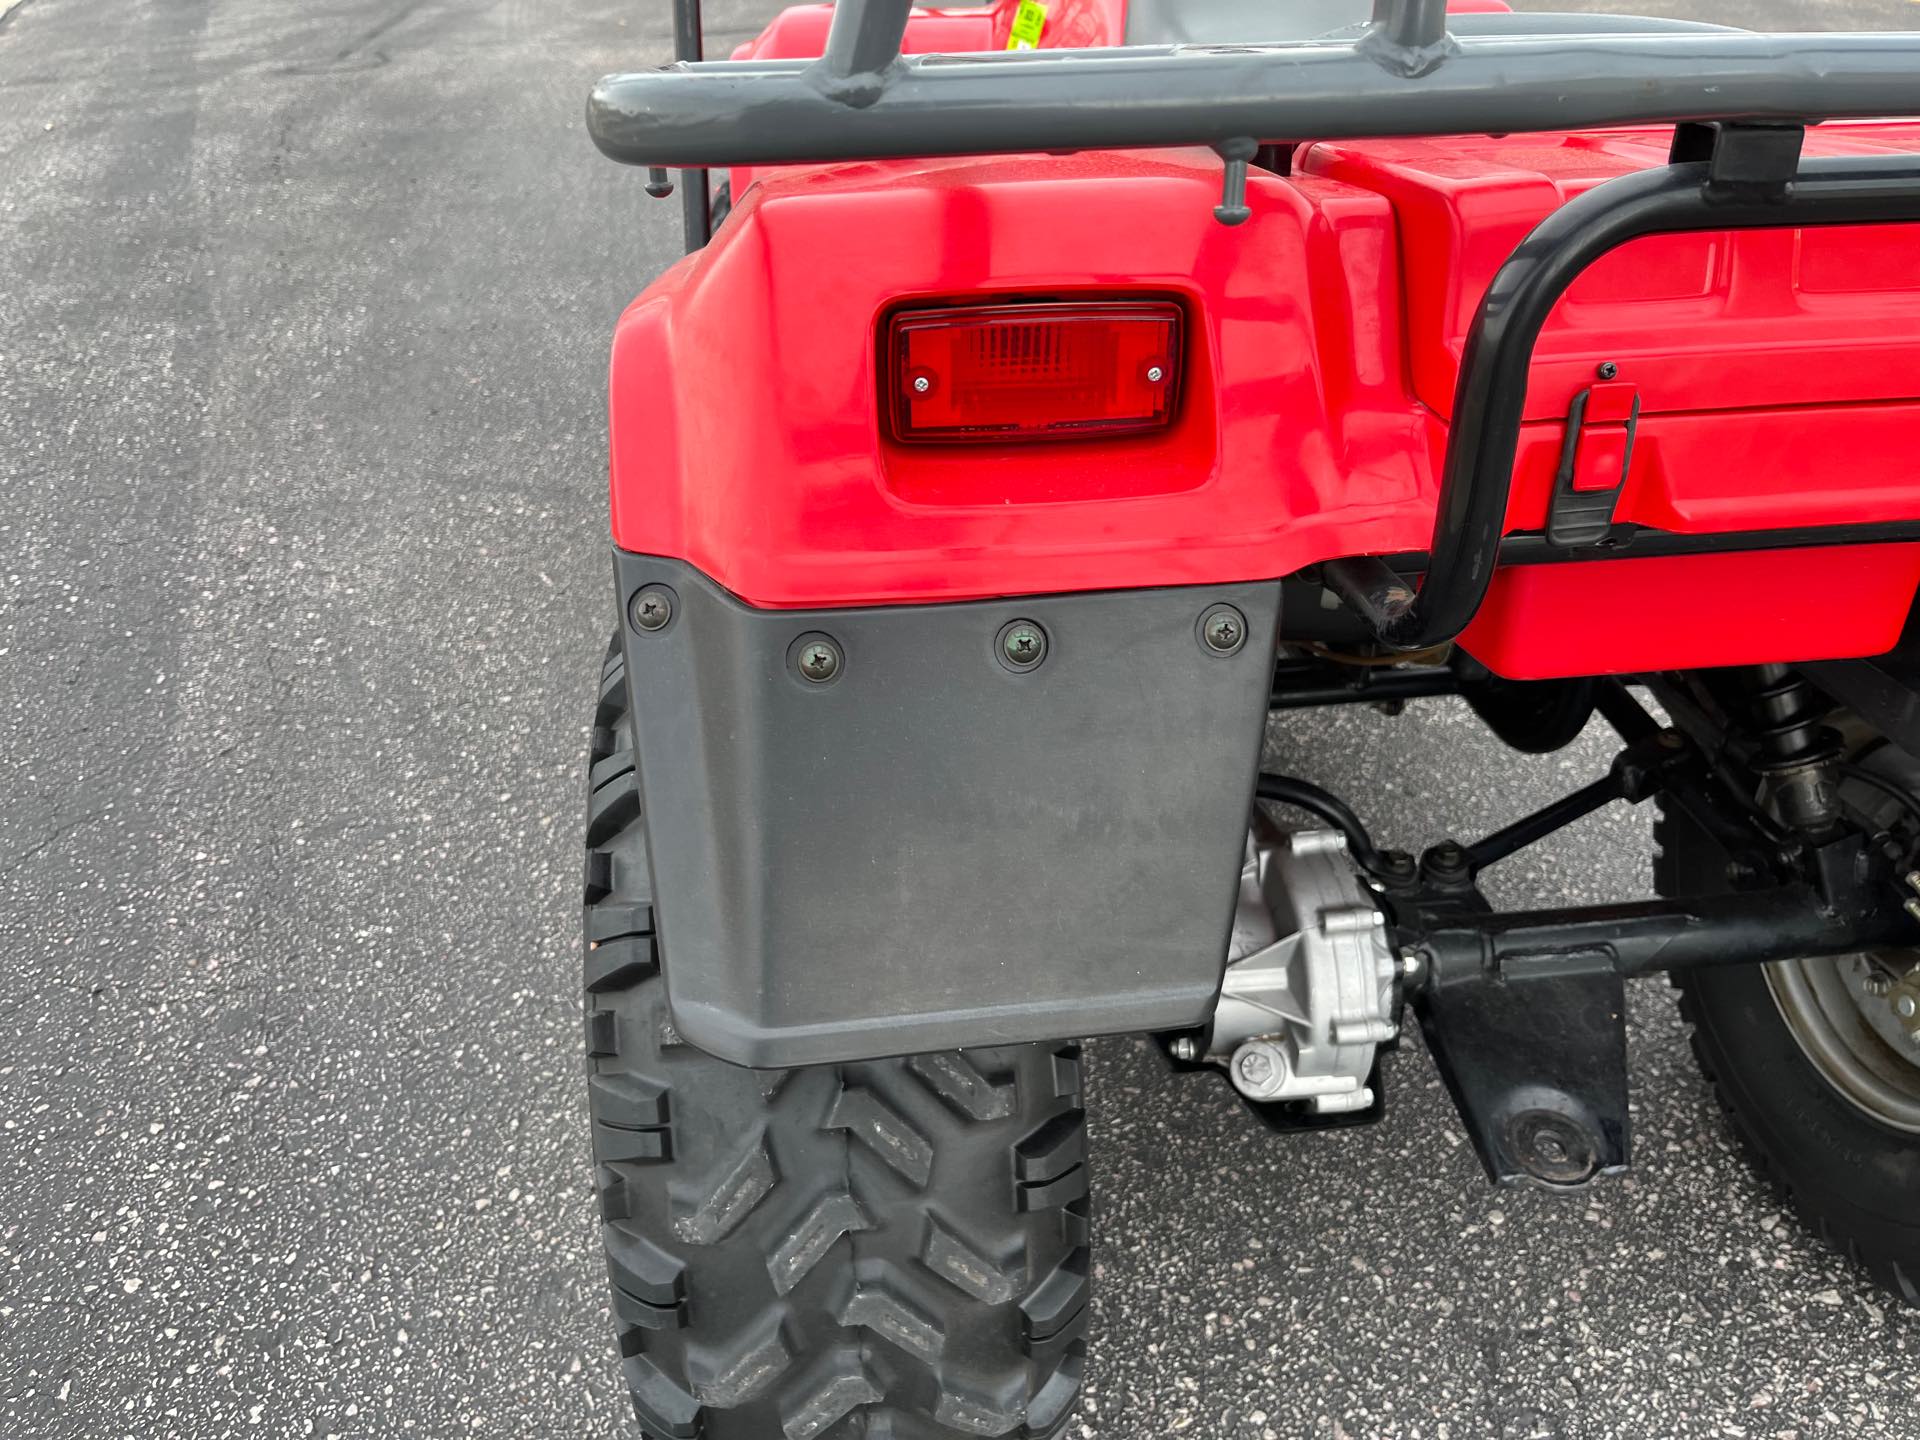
(1745, 928)
(1309, 685)
(1490, 395)
(696, 201)
(1543, 822)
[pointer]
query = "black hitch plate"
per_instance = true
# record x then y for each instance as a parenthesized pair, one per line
(1535, 1058)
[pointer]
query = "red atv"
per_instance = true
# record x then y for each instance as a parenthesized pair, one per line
(1019, 430)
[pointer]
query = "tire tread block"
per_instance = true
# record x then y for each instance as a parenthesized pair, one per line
(617, 964)
(971, 1095)
(744, 1372)
(807, 1244)
(874, 1307)
(612, 808)
(1053, 1149)
(963, 1267)
(627, 1101)
(660, 1404)
(1053, 1304)
(730, 1198)
(828, 1400)
(866, 1118)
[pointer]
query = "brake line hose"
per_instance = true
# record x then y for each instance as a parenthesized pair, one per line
(1301, 795)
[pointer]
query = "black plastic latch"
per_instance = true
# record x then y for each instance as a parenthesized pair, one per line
(1593, 463)
(1743, 157)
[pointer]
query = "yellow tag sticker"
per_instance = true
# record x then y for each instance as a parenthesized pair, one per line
(1028, 21)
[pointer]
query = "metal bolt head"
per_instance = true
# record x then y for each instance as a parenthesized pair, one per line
(1186, 1048)
(818, 660)
(1876, 982)
(921, 384)
(1255, 1068)
(1223, 629)
(1606, 370)
(650, 609)
(1906, 1007)
(1155, 374)
(1023, 645)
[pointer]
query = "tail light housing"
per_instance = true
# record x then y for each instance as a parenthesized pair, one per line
(1039, 371)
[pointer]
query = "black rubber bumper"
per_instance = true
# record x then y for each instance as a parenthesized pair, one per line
(934, 847)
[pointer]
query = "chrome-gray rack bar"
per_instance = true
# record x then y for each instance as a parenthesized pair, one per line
(846, 107)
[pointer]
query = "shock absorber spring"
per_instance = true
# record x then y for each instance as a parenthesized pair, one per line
(1797, 752)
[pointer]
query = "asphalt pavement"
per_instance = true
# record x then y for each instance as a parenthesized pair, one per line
(303, 584)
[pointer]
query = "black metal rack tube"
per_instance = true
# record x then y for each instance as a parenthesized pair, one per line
(696, 201)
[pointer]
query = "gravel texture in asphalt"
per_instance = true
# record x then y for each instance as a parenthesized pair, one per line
(303, 585)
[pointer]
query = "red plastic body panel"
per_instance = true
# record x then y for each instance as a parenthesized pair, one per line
(1673, 613)
(747, 436)
(1778, 377)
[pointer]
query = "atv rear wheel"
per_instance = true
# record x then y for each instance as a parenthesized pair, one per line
(896, 1248)
(1821, 1095)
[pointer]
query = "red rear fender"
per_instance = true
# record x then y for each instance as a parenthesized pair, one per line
(747, 434)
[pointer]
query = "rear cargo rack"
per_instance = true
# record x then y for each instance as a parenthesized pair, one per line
(1403, 74)
(1740, 103)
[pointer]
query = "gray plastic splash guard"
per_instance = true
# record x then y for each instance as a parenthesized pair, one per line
(933, 848)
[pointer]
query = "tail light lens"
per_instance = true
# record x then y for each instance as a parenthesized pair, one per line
(1033, 372)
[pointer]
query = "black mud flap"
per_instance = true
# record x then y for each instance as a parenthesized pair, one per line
(921, 827)
(1537, 1063)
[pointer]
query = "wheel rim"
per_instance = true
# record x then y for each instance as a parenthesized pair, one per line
(1855, 1037)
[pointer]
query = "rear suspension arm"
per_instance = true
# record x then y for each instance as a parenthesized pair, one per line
(1647, 937)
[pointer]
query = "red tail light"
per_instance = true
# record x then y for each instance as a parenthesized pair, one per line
(1033, 372)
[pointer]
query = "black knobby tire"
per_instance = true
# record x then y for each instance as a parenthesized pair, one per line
(891, 1249)
(1853, 1181)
